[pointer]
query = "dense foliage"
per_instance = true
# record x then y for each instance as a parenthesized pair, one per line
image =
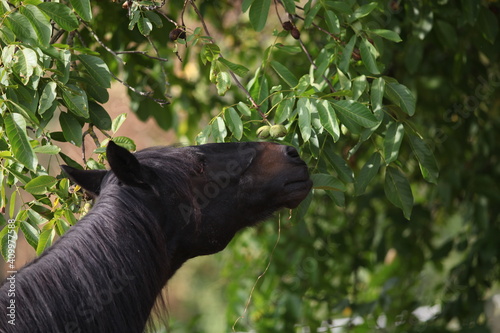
(385, 230)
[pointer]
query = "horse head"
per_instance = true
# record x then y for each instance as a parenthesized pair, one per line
(202, 195)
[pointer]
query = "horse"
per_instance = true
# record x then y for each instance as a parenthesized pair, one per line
(154, 210)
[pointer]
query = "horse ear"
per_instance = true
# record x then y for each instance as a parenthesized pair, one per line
(124, 165)
(89, 180)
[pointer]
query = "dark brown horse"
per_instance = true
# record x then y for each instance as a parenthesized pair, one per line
(155, 209)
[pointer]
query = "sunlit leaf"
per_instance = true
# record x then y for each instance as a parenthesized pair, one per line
(284, 73)
(82, 8)
(401, 96)
(40, 184)
(327, 182)
(15, 128)
(328, 118)
(304, 114)
(367, 173)
(71, 128)
(258, 13)
(425, 157)
(392, 141)
(97, 69)
(61, 14)
(234, 123)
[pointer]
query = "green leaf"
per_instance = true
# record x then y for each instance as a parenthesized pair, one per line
(358, 87)
(367, 173)
(377, 94)
(470, 9)
(41, 24)
(258, 13)
(356, 112)
(346, 54)
(340, 165)
(27, 60)
(398, 191)
(30, 233)
(23, 110)
(40, 184)
(125, 142)
(284, 73)
(244, 109)
(392, 141)
(15, 128)
(363, 11)
(63, 64)
(145, 26)
(488, 24)
(425, 158)
(47, 98)
(311, 14)
(223, 83)
(234, 123)
(219, 131)
(327, 182)
(447, 34)
(239, 70)
(245, 5)
(21, 27)
(284, 109)
(303, 106)
(82, 8)
(401, 96)
(47, 149)
(97, 69)
(155, 18)
(203, 136)
(209, 52)
(289, 6)
(76, 100)
(368, 55)
(328, 118)
(12, 205)
(44, 241)
(117, 122)
(71, 128)
(99, 116)
(61, 14)
(7, 236)
(332, 21)
(387, 34)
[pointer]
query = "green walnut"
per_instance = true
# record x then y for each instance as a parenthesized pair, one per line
(263, 132)
(277, 131)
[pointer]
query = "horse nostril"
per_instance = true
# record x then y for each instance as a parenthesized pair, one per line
(292, 152)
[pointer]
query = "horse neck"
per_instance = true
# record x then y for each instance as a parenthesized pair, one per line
(104, 275)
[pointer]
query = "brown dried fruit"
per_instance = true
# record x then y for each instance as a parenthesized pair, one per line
(295, 33)
(287, 25)
(356, 55)
(125, 5)
(176, 34)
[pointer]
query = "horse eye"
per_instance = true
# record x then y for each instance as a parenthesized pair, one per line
(202, 162)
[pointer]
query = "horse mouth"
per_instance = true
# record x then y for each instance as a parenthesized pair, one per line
(296, 191)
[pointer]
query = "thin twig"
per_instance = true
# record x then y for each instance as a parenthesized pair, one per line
(144, 53)
(101, 43)
(260, 276)
(57, 36)
(233, 75)
(165, 16)
(332, 89)
(160, 101)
